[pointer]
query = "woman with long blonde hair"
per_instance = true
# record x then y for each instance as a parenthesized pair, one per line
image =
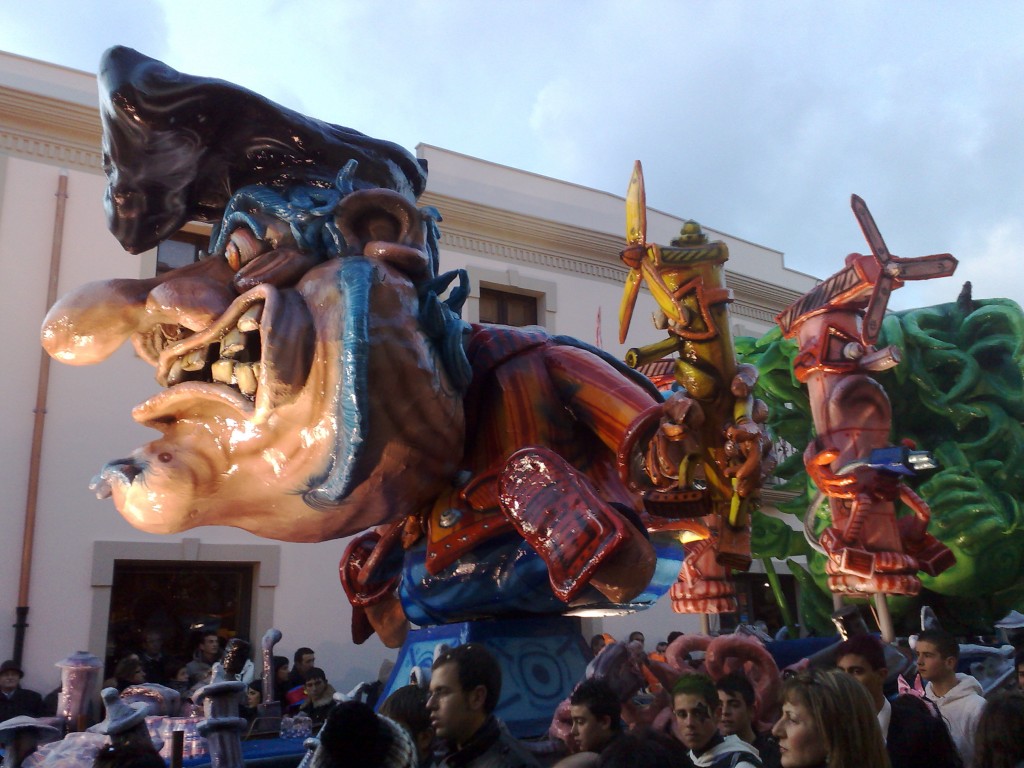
(828, 719)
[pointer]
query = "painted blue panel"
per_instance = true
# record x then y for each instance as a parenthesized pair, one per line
(541, 660)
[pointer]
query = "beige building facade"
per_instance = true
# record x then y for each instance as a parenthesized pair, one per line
(516, 233)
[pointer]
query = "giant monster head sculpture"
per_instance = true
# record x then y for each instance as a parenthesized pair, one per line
(314, 315)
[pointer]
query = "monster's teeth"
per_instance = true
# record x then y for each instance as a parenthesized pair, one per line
(194, 360)
(245, 378)
(222, 370)
(176, 374)
(250, 319)
(232, 343)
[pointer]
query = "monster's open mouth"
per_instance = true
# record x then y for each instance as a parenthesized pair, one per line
(254, 357)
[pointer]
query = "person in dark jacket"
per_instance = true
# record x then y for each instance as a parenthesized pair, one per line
(465, 684)
(15, 700)
(281, 674)
(915, 737)
(154, 660)
(596, 715)
(305, 660)
(738, 712)
(319, 697)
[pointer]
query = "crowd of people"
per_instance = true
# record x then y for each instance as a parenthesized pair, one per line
(298, 684)
(838, 717)
(841, 716)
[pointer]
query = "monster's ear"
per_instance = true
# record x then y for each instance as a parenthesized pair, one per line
(176, 147)
(384, 225)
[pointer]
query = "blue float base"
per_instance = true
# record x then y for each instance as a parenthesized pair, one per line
(541, 660)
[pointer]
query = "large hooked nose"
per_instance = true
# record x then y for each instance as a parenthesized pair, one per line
(90, 323)
(121, 471)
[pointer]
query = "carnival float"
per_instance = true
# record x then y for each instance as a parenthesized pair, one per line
(517, 480)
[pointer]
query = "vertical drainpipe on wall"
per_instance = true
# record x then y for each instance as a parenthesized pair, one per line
(42, 388)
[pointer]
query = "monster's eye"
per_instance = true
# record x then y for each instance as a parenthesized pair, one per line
(164, 457)
(243, 246)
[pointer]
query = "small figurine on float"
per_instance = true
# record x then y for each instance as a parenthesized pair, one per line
(871, 551)
(20, 737)
(727, 452)
(125, 727)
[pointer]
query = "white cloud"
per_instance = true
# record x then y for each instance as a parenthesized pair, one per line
(556, 124)
(759, 119)
(75, 34)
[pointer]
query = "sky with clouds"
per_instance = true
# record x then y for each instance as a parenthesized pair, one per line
(758, 119)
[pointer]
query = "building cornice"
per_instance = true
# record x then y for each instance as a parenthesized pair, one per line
(60, 132)
(51, 130)
(478, 229)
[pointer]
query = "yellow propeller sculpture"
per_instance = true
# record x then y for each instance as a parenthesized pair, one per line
(687, 281)
(643, 259)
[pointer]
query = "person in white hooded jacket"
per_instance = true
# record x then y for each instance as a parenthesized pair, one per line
(958, 696)
(696, 710)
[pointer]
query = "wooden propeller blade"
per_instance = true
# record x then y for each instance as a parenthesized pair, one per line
(870, 229)
(636, 208)
(875, 312)
(629, 294)
(923, 267)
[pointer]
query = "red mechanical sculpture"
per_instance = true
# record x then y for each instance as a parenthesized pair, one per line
(870, 550)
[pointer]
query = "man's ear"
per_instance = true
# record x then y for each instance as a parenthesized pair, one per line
(950, 662)
(476, 698)
(605, 722)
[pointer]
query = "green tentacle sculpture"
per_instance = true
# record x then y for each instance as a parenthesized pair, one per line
(959, 392)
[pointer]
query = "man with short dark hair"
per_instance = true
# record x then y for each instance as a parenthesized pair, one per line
(319, 697)
(637, 637)
(913, 738)
(304, 660)
(295, 688)
(957, 695)
(596, 715)
(207, 653)
(696, 711)
(465, 684)
(15, 700)
(154, 660)
(736, 695)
